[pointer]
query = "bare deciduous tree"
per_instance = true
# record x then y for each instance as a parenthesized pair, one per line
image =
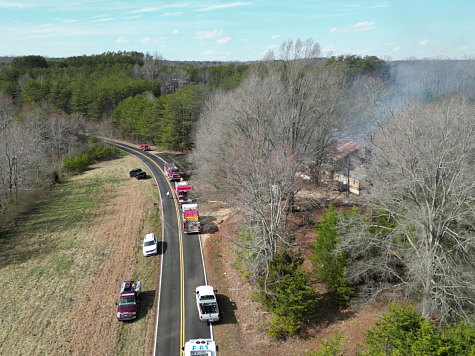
(172, 79)
(30, 149)
(313, 115)
(151, 66)
(254, 138)
(7, 111)
(422, 177)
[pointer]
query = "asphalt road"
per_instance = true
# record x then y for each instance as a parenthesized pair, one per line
(182, 269)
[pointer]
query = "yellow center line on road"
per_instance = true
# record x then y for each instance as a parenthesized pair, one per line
(182, 259)
(182, 283)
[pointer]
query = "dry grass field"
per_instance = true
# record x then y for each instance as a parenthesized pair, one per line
(63, 263)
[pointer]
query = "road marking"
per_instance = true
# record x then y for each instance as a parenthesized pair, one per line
(182, 262)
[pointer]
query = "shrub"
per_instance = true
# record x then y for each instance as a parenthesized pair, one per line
(402, 331)
(331, 347)
(329, 266)
(79, 163)
(95, 153)
(458, 339)
(287, 293)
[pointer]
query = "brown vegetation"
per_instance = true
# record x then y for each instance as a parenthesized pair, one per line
(62, 271)
(244, 323)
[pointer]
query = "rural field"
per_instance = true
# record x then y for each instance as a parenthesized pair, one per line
(63, 262)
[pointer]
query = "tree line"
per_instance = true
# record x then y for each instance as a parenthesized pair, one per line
(45, 105)
(32, 147)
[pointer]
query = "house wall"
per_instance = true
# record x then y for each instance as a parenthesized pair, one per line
(354, 182)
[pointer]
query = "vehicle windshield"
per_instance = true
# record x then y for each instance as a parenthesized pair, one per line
(175, 171)
(149, 243)
(127, 301)
(206, 297)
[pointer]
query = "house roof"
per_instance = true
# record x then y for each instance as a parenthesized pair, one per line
(342, 149)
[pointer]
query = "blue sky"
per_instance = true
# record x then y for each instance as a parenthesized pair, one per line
(226, 30)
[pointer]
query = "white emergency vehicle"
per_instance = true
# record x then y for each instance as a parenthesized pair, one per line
(200, 347)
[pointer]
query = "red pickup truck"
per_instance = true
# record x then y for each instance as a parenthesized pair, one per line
(129, 300)
(145, 148)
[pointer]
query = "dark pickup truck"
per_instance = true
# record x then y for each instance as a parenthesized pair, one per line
(134, 172)
(141, 175)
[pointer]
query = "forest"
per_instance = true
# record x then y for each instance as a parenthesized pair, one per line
(256, 125)
(46, 107)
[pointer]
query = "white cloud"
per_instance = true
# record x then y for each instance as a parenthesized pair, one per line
(224, 40)
(225, 6)
(156, 8)
(175, 32)
(102, 20)
(201, 35)
(173, 14)
(329, 50)
(11, 5)
(395, 49)
(211, 52)
(466, 48)
(162, 46)
(121, 40)
(69, 21)
(145, 40)
(276, 36)
(155, 41)
(271, 46)
(360, 26)
(426, 42)
(389, 44)
(245, 40)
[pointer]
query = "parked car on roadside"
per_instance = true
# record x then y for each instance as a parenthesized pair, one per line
(129, 300)
(134, 172)
(141, 175)
(149, 245)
